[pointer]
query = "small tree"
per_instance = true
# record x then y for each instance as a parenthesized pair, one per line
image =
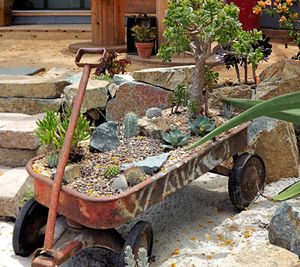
(200, 28)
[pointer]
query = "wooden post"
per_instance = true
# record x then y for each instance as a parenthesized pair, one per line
(161, 8)
(5, 12)
(108, 22)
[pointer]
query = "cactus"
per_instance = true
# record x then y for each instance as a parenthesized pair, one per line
(142, 259)
(134, 175)
(112, 171)
(130, 123)
(52, 160)
(153, 112)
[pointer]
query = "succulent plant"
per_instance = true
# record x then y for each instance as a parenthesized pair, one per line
(175, 138)
(227, 111)
(134, 175)
(130, 123)
(201, 126)
(153, 112)
(52, 160)
(112, 171)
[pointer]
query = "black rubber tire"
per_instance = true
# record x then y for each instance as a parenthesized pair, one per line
(246, 180)
(141, 235)
(26, 235)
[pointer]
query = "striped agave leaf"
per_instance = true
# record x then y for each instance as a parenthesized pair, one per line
(289, 192)
(265, 108)
(291, 115)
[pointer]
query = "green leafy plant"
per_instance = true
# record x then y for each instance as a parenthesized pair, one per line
(104, 77)
(201, 125)
(112, 171)
(144, 33)
(134, 175)
(52, 129)
(200, 28)
(81, 132)
(142, 260)
(175, 138)
(178, 98)
(52, 160)
(47, 128)
(130, 125)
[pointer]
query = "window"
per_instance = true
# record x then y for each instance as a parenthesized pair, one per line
(51, 4)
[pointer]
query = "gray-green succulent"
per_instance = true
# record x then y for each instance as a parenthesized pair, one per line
(175, 138)
(201, 125)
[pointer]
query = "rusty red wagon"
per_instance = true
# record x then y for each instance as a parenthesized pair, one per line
(86, 221)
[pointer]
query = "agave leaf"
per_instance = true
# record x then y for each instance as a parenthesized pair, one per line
(291, 115)
(184, 140)
(287, 193)
(279, 103)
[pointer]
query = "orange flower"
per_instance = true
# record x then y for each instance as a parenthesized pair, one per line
(283, 18)
(275, 4)
(268, 2)
(289, 2)
(262, 4)
(257, 10)
(295, 15)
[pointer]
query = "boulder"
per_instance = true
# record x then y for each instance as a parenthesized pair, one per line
(95, 96)
(105, 137)
(280, 78)
(149, 165)
(257, 255)
(284, 228)
(135, 97)
(275, 142)
(153, 127)
(239, 91)
(168, 78)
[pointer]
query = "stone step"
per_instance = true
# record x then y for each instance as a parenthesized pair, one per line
(48, 84)
(17, 130)
(13, 184)
(28, 105)
(13, 157)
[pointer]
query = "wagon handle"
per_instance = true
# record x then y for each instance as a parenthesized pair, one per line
(84, 51)
(69, 136)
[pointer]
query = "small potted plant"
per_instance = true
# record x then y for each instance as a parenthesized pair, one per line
(144, 39)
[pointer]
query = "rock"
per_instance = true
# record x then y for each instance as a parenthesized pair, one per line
(168, 78)
(275, 142)
(95, 95)
(149, 165)
(71, 172)
(253, 255)
(153, 112)
(240, 91)
(119, 182)
(297, 133)
(13, 185)
(284, 228)
(135, 97)
(112, 89)
(153, 127)
(105, 137)
(28, 105)
(280, 78)
(47, 85)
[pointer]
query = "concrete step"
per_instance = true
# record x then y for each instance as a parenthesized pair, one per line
(13, 185)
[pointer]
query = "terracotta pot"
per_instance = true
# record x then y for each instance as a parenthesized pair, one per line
(144, 49)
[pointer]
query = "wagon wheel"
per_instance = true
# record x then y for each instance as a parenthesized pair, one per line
(27, 236)
(140, 236)
(246, 180)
